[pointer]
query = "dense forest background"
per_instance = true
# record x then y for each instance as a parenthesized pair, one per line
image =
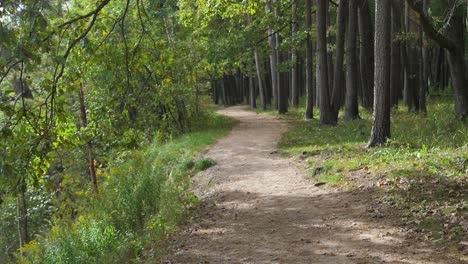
(92, 94)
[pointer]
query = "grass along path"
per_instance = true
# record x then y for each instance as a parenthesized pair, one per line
(422, 172)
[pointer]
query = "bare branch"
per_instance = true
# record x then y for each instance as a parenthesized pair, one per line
(95, 11)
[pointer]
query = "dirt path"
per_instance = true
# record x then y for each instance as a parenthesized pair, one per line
(258, 207)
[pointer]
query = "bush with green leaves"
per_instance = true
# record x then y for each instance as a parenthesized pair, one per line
(143, 196)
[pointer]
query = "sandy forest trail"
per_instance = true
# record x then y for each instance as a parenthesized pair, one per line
(258, 207)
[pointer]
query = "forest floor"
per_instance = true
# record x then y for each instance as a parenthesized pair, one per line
(260, 207)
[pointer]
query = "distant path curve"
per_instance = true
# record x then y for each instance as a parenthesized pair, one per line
(258, 207)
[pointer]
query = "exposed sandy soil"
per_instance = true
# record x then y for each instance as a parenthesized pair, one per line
(259, 207)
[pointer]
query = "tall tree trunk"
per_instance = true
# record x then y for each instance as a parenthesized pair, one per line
(407, 72)
(18, 222)
(281, 78)
(294, 76)
(309, 61)
(366, 54)
(273, 58)
(351, 104)
(396, 73)
(330, 41)
(412, 62)
(422, 68)
(223, 91)
(252, 97)
(89, 144)
(381, 123)
(326, 115)
(338, 82)
(260, 76)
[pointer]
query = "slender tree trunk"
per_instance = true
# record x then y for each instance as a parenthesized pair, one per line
(351, 104)
(294, 86)
(338, 82)
(412, 90)
(223, 91)
(407, 74)
(330, 66)
(458, 74)
(89, 144)
(252, 97)
(366, 54)
(422, 68)
(260, 76)
(309, 61)
(381, 119)
(19, 221)
(326, 115)
(273, 58)
(396, 73)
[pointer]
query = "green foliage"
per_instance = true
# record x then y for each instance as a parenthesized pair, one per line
(145, 195)
(135, 69)
(204, 164)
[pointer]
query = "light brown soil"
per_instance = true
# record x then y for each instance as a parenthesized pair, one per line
(259, 207)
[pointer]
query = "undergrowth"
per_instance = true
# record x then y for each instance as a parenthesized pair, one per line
(144, 195)
(423, 170)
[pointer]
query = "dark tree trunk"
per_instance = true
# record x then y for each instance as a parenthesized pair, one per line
(422, 68)
(412, 65)
(326, 116)
(366, 54)
(396, 80)
(223, 91)
(407, 71)
(215, 92)
(381, 123)
(281, 78)
(309, 61)
(294, 86)
(338, 82)
(331, 41)
(351, 104)
(22, 216)
(252, 97)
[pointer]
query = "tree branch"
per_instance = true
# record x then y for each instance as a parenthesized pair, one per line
(95, 11)
(428, 27)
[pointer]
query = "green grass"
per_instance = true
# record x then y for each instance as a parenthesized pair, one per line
(143, 196)
(423, 170)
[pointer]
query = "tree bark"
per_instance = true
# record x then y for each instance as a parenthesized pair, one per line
(422, 67)
(273, 58)
(261, 89)
(338, 82)
(381, 119)
(252, 97)
(366, 54)
(396, 81)
(326, 116)
(309, 61)
(351, 104)
(294, 86)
